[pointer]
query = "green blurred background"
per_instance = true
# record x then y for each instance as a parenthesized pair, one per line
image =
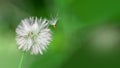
(87, 34)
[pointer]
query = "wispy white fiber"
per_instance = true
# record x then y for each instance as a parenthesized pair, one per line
(33, 35)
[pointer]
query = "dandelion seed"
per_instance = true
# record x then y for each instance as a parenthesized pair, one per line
(33, 35)
(53, 21)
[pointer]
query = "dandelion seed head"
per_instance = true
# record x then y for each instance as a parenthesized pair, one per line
(33, 35)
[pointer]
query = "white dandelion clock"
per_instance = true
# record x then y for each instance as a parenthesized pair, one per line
(33, 35)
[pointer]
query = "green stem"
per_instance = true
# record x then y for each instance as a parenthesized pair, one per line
(21, 60)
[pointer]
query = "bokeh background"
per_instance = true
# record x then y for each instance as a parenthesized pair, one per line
(87, 34)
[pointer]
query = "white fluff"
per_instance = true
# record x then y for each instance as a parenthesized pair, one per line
(33, 35)
(53, 21)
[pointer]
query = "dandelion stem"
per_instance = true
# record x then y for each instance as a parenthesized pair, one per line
(21, 60)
